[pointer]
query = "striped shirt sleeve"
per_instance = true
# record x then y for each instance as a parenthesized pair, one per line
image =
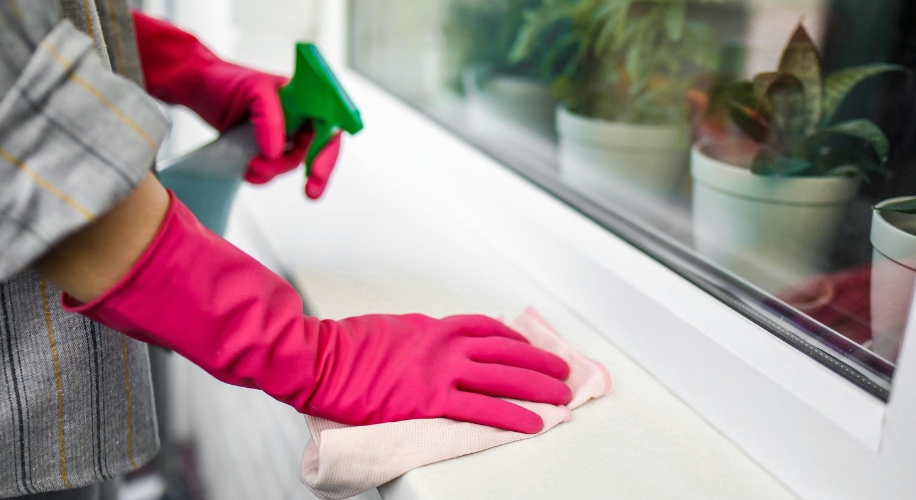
(74, 137)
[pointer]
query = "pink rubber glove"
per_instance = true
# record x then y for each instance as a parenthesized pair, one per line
(244, 325)
(178, 69)
(322, 166)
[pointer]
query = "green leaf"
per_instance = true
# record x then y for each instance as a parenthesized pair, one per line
(800, 59)
(596, 31)
(842, 161)
(763, 81)
(560, 58)
(838, 85)
(562, 90)
(859, 129)
(580, 12)
(609, 27)
(676, 19)
(526, 39)
(783, 104)
(535, 25)
(770, 164)
(700, 45)
(738, 101)
(844, 171)
(635, 68)
(904, 207)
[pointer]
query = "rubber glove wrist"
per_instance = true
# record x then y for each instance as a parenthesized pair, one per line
(195, 293)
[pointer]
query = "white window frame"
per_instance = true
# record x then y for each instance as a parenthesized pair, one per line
(812, 429)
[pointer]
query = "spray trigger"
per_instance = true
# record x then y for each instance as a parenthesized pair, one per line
(315, 97)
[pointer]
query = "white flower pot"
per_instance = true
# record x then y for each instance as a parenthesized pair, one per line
(893, 237)
(772, 231)
(503, 103)
(620, 161)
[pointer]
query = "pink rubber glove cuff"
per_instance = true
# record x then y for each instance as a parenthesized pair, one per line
(193, 292)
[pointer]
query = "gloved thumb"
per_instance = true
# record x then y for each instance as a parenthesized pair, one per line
(266, 114)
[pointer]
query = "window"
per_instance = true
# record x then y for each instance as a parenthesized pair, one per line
(761, 149)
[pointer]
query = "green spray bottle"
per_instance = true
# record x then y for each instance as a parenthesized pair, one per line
(207, 179)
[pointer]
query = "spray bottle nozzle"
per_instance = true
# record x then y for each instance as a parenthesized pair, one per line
(314, 95)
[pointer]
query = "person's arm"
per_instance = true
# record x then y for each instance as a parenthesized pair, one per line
(195, 293)
(150, 270)
(92, 260)
(75, 139)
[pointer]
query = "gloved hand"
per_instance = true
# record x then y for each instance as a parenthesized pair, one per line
(178, 69)
(198, 295)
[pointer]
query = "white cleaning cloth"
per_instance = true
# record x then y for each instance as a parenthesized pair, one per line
(342, 461)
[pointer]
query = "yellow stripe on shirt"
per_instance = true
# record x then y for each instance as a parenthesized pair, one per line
(15, 8)
(119, 59)
(82, 82)
(58, 382)
(90, 29)
(130, 409)
(46, 184)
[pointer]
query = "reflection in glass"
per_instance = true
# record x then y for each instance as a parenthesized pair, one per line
(742, 143)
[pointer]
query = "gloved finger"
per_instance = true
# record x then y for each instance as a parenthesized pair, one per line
(510, 382)
(262, 169)
(509, 352)
(475, 325)
(266, 114)
(486, 410)
(322, 167)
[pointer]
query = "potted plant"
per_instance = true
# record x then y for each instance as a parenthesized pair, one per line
(770, 211)
(480, 34)
(620, 70)
(893, 236)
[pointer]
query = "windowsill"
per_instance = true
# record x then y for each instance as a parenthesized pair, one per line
(404, 183)
(638, 442)
(370, 248)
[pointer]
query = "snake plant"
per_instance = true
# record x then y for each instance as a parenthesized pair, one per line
(790, 113)
(619, 60)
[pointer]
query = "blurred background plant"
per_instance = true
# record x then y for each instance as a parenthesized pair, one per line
(480, 34)
(618, 60)
(789, 115)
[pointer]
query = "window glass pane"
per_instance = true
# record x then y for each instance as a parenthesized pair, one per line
(763, 149)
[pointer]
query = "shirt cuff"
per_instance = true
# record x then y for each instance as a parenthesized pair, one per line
(74, 140)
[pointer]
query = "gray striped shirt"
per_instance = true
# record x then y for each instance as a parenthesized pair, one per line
(75, 138)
